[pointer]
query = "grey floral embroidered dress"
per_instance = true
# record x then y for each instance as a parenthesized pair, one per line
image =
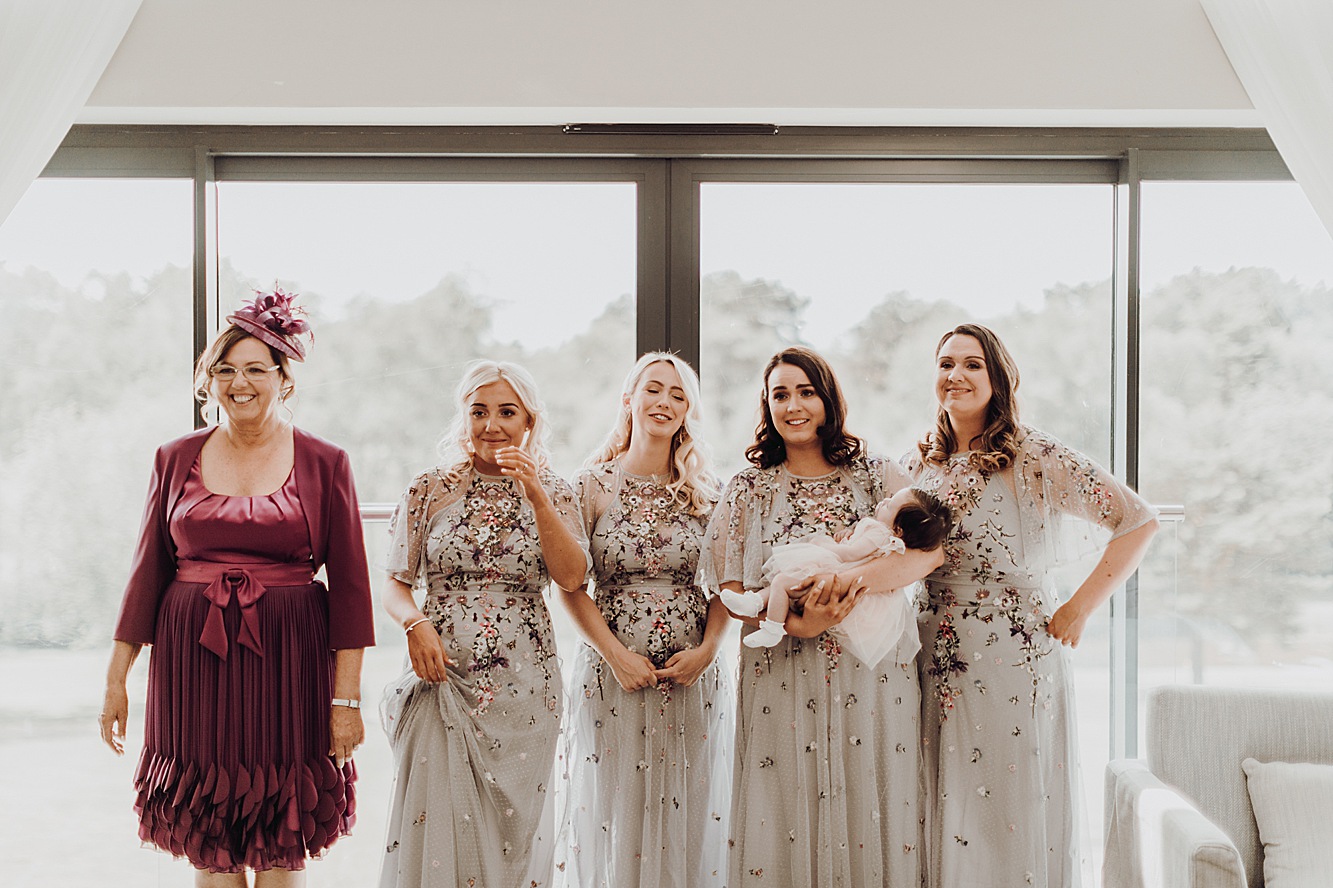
(648, 786)
(827, 782)
(474, 755)
(998, 709)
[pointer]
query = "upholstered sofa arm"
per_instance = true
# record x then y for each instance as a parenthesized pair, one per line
(1156, 837)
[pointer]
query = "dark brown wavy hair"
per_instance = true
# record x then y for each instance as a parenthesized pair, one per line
(997, 445)
(924, 522)
(839, 447)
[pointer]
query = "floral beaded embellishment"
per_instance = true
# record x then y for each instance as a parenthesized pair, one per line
(823, 504)
(638, 537)
(645, 554)
(490, 517)
(487, 576)
(978, 550)
(820, 505)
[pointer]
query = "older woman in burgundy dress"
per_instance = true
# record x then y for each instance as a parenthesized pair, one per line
(254, 683)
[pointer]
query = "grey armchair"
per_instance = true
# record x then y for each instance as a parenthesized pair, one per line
(1182, 818)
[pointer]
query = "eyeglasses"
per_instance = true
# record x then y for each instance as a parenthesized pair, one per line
(252, 372)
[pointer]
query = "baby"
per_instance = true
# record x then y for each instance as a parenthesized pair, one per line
(910, 519)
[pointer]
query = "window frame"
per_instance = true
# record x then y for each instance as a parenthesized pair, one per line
(668, 164)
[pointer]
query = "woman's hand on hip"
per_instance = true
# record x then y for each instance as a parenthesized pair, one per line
(1068, 622)
(429, 660)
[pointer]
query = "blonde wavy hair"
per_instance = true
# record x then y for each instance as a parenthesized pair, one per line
(692, 483)
(456, 445)
(997, 445)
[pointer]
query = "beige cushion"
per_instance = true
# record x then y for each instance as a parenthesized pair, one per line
(1293, 805)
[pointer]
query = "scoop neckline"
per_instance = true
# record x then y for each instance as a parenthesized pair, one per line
(663, 478)
(198, 469)
(822, 477)
(199, 473)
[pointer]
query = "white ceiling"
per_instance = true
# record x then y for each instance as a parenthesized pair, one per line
(868, 62)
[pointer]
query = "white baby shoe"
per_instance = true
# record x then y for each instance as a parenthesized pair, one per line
(744, 604)
(769, 633)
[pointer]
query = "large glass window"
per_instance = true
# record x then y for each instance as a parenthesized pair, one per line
(406, 283)
(409, 281)
(871, 275)
(96, 352)
(1237, 416)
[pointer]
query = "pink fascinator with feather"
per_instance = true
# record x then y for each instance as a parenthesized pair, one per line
(275, 319)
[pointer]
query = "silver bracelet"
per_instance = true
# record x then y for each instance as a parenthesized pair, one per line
(346, 701)
(413, 625)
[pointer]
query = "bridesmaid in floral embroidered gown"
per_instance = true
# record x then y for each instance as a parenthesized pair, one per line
(828, 779)
(474, 722)
(998, 716)
(651, 716)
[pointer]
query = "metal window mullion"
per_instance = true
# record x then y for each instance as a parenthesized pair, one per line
(1133, 367)
(653, 214)
(683, 306)
(204, 279)
(1125, 433)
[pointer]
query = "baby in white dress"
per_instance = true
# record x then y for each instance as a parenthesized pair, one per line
(910, 519)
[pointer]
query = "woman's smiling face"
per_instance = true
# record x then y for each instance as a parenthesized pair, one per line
(658, 405)
(795, 406)
(496, 419)
(251, 396)
(962, 380)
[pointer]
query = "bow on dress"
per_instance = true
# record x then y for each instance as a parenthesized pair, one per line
(247, 584)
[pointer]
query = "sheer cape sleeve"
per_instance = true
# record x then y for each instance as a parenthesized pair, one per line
(733, 550)
(429, 494)
(1069, 506)
(569, 510)
(594, 489)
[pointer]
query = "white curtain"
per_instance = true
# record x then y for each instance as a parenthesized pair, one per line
(52, 53)
(1282, 51)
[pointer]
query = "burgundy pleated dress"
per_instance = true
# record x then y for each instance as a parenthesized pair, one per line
(235, 771)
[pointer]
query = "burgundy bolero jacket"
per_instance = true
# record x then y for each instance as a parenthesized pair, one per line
(328, 497)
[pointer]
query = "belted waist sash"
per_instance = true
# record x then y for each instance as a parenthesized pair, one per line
(248, 583)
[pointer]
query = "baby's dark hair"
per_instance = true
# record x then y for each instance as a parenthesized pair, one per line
(924, 521)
